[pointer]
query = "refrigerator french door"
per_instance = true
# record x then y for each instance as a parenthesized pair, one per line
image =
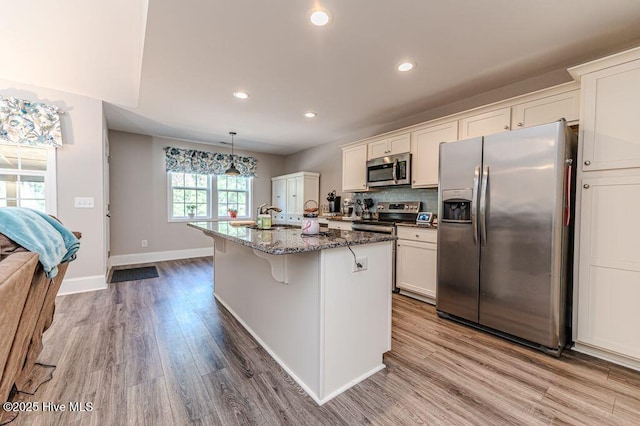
(503, 232)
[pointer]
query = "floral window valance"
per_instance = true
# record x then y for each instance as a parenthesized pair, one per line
(212, 163)
(29, 123)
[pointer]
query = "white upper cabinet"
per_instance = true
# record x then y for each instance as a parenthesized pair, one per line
(422, 140)
(484, 124)
(425, 153)
(547, 110)
(389, 146)
(609, 125)
(354, 168)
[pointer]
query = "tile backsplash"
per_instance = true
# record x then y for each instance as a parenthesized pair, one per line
(428, 196)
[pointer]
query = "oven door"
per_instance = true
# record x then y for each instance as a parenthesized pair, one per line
(389, 171)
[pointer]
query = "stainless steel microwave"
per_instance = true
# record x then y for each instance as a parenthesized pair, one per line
(389, 171)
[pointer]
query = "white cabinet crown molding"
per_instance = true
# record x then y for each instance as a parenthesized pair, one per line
(510, 102)
(296, 174)
(601, 63)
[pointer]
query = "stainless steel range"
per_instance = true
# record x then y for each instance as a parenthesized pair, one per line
(389, 214)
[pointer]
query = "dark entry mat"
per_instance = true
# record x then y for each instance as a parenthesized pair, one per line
(133, 274)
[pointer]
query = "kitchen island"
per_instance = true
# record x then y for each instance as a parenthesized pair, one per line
(325, 320)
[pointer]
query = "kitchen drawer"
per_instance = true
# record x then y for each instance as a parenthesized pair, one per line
(294, 219)
(345, 226)
(417, 234)
(279, 218)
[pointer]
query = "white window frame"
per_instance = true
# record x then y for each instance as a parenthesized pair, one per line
(249, 201)
(210, 196)
(213, 202)
(50, 184)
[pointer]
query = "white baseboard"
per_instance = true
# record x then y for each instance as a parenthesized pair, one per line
(82, 284)
(607, 356)
(290, 372)
(160, 256)
(352, 383)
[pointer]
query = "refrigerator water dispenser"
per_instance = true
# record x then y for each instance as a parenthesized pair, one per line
(456, 206)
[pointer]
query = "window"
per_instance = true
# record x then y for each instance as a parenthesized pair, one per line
(234, 192)
(189, 191)
(27, 177)
(207, 195)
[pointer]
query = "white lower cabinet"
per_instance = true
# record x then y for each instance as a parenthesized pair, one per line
(609, 265)
(416, 262)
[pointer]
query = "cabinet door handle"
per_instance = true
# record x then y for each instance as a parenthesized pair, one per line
(585, 186)
(520, 124)
(587, 163)
(506, 127)
(417, 235)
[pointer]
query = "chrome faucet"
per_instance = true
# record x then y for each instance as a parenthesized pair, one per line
(266, 210)
(263, 209)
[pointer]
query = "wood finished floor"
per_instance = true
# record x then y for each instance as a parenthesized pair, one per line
(163, 352)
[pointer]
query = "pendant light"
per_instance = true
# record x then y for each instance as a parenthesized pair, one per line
(232, 171)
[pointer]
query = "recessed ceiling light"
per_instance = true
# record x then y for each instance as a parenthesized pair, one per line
(406, 66)
(310, 114)
(319, 17)
(241, 95)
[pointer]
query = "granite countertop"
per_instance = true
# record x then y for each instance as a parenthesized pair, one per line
(415, 225)
(288, 240)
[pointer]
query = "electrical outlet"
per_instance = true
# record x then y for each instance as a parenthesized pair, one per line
(363, 262)
(144, 243)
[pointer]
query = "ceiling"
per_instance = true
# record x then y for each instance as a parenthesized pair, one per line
(197, 53)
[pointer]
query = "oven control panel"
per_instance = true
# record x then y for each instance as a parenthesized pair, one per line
(399, 207)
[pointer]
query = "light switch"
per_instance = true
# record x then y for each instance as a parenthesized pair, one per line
(83, 202)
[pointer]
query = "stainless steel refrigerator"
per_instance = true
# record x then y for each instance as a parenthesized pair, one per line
(503, 233)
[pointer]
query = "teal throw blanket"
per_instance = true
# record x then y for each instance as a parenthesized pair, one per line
(40, 233)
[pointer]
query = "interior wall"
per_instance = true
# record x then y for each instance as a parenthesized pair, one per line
(79, 173)
(324, 159)
(138, 193)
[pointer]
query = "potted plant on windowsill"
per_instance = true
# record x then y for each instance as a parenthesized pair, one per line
(233, 213)
(191, 210)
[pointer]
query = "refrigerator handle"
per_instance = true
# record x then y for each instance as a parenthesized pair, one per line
(483, 206)
(567, 212)
(474, 205)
